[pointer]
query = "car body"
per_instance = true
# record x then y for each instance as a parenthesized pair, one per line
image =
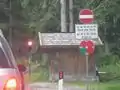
(10, 77)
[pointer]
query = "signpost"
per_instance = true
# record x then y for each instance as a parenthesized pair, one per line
(91, 47)
(86, 31)
(86, 16)
(30, 44)
(87, 48)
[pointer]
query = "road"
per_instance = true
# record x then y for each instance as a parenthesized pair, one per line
(49, 86)
(52, 86)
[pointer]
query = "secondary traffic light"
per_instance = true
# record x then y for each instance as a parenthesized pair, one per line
(61, 75)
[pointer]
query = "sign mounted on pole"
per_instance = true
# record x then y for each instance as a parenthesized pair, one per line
(90, 47)
(87, 46)
(86, 31)
(82, 47)
(86, 16)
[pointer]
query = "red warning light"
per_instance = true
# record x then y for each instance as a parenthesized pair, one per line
(30, 43)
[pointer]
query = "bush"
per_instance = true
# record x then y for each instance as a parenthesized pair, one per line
(116, 87)
(108, 60)
(111, 65)
(112, 73)
(40, 74)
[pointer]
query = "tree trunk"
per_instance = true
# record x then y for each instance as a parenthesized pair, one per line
(63, 16)
(107, 48)
(107, 51)
(71, 16)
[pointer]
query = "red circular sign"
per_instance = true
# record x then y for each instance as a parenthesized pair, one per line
(86, 16)
(83, 44)
(89, 45)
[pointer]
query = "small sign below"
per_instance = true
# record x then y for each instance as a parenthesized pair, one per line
(86, 31)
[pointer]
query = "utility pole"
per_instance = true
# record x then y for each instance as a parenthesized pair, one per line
(10, 23)
(71, 16)
(63, 15)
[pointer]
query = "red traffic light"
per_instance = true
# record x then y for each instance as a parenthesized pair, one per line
(30, 43)
(61, 75)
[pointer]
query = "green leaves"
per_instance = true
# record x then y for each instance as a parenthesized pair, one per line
(39, 12)
(24, 3)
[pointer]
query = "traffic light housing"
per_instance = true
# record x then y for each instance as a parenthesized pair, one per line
(61, 75)
(30, 44)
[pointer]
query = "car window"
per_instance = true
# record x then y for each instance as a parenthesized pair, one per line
(4, 61)
(8, 52)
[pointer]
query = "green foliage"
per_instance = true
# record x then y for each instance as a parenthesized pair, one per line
(108, 60)
(112, 73)
(40, 74)
(111, 65)
(40, 14)
(44, 15)
(113, 88)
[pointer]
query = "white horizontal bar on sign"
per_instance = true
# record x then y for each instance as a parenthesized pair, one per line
(85, 16)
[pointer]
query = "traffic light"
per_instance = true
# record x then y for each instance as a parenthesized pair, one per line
(30, 44)
(61, 75)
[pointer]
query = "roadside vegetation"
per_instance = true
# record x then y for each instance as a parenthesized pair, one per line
(33, 16)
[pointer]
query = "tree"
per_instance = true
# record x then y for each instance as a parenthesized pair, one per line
(40, 13)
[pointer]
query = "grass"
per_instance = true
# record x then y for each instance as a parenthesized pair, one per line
(99, 86)
(39, 75)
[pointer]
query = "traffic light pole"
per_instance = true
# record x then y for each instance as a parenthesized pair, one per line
(30, 56)
(87, 69)
(87, 64)
(10, 24)
(60, 81)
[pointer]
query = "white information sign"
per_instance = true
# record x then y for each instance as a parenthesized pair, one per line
(86, 31)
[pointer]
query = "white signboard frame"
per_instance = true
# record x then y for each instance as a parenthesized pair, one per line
(86, 31)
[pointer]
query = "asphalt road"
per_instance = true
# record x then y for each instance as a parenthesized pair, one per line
(52, 86)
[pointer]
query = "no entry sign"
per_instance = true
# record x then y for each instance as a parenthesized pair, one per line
(86, 16)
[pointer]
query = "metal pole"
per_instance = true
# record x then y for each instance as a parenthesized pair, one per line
(87, 64)
(87, 70)
(71, 15)
(30, 56)
(10, 23)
